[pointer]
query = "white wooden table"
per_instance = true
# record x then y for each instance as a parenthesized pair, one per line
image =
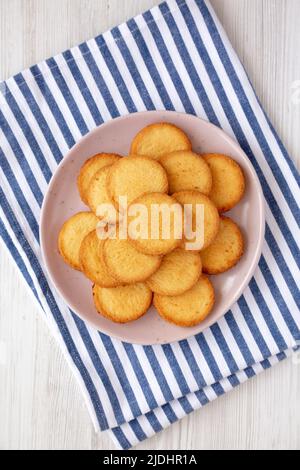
(40, 403)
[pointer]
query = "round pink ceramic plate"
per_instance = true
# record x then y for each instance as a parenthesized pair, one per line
(62, 200)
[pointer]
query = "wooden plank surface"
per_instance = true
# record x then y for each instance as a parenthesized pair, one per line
(40, 403)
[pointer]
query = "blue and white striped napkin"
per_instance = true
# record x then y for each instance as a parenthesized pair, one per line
(177, 57)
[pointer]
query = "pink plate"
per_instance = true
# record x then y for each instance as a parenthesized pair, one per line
(62, 201)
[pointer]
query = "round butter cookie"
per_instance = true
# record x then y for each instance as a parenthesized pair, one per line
(127, 264)
(158, 139)
(211, 217)
(179, 272)
(190, 308)
(72, 234)
(226, 250)
(88, 170)
(187, 171)
(97, 195)
(134, 176)
(122, 304)
(92, 263)
(166, 232)
(228, 181)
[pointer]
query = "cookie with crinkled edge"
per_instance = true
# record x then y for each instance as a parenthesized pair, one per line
(211, 216)
(226, 250)
(134, 176)
(158, 139)
(228, 181)
(169, 230)
(179, 272)
(187, 171)
(190, 308)
(90, 168)
(126, 263)
(72, 234)
(92, 262)
(122, 304)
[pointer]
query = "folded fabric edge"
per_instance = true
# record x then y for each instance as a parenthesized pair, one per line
(136, 431)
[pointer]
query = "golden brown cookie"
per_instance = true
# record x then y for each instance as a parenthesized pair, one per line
(91, 166)
(211, 217)
(158, 139)
(72, 234)
(226, 250)
(187, 171)
(179, 272)
(134, 176)
(97, 195)
(164, 214)
(122, 304)
(126, 263)
(92, 262)
(228, 181)
(190, 308)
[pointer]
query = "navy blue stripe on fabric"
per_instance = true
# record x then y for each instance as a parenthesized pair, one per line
(238, 129)
(139, 83)
(247, 314)
(25, 207)
(218, 389)
(82, 85)
(99, 80)
(140, 376)
(116, 74)
(234, 382)
(185, 405)
(68, 340)
(147, 58)
(138, 430)
(28, 173)
(249, 113)
(286, 314)
(39, 117)
(169, 412)
(33, 144)
(212, 364)
(157, 427)
(267, 316)
(121, 438)
(202, 398)
(240, 340)
(121, 374)
(176, 369)
(100, 369)
(167, 59)
(189, 355)
(45, 90)
(68, 97)
(16, 255)
(189, 65)
(249, 371)
(167, 393)
(217, 332)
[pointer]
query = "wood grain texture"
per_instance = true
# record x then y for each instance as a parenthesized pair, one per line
(40, 403)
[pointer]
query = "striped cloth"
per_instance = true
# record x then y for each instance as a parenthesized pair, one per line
(177, 57)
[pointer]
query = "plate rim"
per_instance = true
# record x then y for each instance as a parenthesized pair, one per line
(257, 252)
